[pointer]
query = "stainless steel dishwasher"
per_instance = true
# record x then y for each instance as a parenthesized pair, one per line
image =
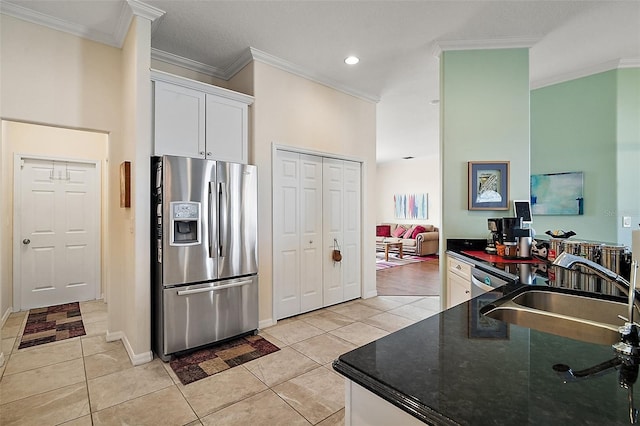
(483, 281)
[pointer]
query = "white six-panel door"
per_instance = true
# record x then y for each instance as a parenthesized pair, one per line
(58, 221)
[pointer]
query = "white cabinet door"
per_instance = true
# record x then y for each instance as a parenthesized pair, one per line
(226, 129)
(179, 121)
(459, 289)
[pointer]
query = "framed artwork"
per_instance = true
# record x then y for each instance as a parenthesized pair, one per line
(411, 206)
(483, 327)
(488, 185)
(557, 194)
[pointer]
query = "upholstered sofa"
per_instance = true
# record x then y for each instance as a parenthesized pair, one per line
(417, 241)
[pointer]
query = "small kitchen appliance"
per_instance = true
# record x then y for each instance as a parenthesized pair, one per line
(495, 234)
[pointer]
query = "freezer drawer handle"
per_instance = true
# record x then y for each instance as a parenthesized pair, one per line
(208, 289)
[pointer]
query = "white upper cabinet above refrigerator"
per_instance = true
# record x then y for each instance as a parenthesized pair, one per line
(198, 120)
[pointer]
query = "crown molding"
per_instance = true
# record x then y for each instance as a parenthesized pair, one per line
(147, 11)
(498, 43)
(115, 39)
(38, 18)
(252, 54)
(284, 65)
(170, 58)
(585, 72)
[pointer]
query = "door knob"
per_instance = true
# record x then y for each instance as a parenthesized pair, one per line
(26, 241)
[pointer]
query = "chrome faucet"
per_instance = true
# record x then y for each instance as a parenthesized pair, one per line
(630, 344)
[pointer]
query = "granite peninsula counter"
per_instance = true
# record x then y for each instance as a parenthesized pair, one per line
(455, 368)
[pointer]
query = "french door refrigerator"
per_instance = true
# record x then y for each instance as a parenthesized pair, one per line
(203, 252)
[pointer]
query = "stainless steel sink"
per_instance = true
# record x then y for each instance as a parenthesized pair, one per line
(578, 317)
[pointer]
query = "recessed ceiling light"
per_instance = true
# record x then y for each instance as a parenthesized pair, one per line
(351, 60)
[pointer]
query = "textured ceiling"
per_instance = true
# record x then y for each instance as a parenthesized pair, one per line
(395, 41)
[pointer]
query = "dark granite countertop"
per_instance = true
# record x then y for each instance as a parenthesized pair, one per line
(457, 368)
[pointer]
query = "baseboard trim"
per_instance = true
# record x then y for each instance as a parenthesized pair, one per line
(369, 294)
(5, 317)
(266, 323)
(136, 359)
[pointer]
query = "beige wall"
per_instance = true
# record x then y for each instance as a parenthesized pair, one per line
(130, 299)
(52, 78)
(52, 142)
(292, 111)
(415, 176)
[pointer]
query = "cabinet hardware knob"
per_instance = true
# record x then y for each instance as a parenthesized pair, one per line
(209, 154)
(467, 291)
(458, 267)
(201, 152)
(26, 241)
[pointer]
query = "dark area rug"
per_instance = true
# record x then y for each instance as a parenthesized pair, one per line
(51, 324)
(209, 361)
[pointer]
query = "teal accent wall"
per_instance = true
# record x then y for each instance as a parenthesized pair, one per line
(587, 125)
(628, 160)
(484, 105)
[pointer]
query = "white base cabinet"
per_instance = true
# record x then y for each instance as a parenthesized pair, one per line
(194, 119)
(458, 281)
(364, 408)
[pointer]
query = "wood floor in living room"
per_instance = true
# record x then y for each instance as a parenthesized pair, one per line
(414, 279)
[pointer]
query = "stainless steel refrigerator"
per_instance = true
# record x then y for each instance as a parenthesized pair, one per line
(204, 252)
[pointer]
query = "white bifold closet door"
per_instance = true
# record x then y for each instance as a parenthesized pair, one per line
(341, 229)
(316, 207)
(297, 233)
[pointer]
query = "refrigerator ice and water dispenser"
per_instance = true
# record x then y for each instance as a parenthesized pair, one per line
(185, 223)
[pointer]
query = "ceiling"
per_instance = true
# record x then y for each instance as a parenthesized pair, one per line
(397, 43)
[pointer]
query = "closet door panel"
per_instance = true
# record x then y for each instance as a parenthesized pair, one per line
(286, 235)
(311, 232)
(352, 230)
(333, 224)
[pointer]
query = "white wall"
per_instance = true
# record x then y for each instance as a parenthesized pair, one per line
(415, 176)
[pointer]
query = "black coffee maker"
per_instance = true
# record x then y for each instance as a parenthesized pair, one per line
(516, 239)
(495, 234)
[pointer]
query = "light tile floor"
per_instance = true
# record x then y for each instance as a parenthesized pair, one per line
(87, 380)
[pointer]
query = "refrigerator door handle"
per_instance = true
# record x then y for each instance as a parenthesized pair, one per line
(216, 288)
(210, 215)
(222, 218)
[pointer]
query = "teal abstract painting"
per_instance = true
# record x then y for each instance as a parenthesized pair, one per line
(557, 194)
